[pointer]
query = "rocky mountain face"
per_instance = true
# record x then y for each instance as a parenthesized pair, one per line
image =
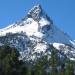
(34, 35)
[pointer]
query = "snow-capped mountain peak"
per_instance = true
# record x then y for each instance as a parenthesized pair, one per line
(31, 24)
(34, 34)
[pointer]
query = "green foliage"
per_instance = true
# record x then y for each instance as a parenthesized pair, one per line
(40, 66)
(54, 61)
(11, 65)
(69, 68)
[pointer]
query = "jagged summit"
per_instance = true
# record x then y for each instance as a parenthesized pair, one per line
(36, 8)
(35, 12)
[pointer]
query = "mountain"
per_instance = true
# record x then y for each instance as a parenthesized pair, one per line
(34, 34)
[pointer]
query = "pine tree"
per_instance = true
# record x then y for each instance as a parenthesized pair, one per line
(54, 61)
(40, 66)
(69, 68)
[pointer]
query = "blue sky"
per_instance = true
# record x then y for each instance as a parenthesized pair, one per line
(62, 12)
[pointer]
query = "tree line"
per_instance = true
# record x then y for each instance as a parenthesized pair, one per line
(11, 65)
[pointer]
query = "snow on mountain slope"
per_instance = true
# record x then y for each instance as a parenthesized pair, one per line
(34, 34)
(67, 50)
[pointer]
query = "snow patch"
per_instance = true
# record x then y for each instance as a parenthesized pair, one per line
(57, 45)
(40, 48)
